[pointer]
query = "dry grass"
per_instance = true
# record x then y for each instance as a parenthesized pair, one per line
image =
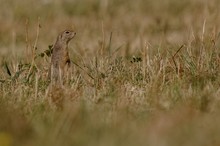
(143, 73)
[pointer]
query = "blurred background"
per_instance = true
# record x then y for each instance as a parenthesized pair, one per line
(155, 21)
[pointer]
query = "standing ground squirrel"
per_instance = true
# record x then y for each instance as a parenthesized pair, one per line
(60, 60)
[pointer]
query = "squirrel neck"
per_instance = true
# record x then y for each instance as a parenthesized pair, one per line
(61, 45)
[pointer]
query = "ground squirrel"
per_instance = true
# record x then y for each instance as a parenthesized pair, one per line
(60, 60)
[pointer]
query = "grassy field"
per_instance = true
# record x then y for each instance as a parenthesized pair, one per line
(144, 72)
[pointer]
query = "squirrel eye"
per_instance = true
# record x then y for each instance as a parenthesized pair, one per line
(67, 32)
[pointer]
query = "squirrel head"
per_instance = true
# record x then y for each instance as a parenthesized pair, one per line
(66, 36)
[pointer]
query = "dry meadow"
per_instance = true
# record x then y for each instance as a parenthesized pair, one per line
(144, 72)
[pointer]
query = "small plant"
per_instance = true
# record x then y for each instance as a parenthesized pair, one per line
(136, 59)
(47, 52)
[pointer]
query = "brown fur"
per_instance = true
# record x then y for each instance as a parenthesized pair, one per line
(60, 60)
